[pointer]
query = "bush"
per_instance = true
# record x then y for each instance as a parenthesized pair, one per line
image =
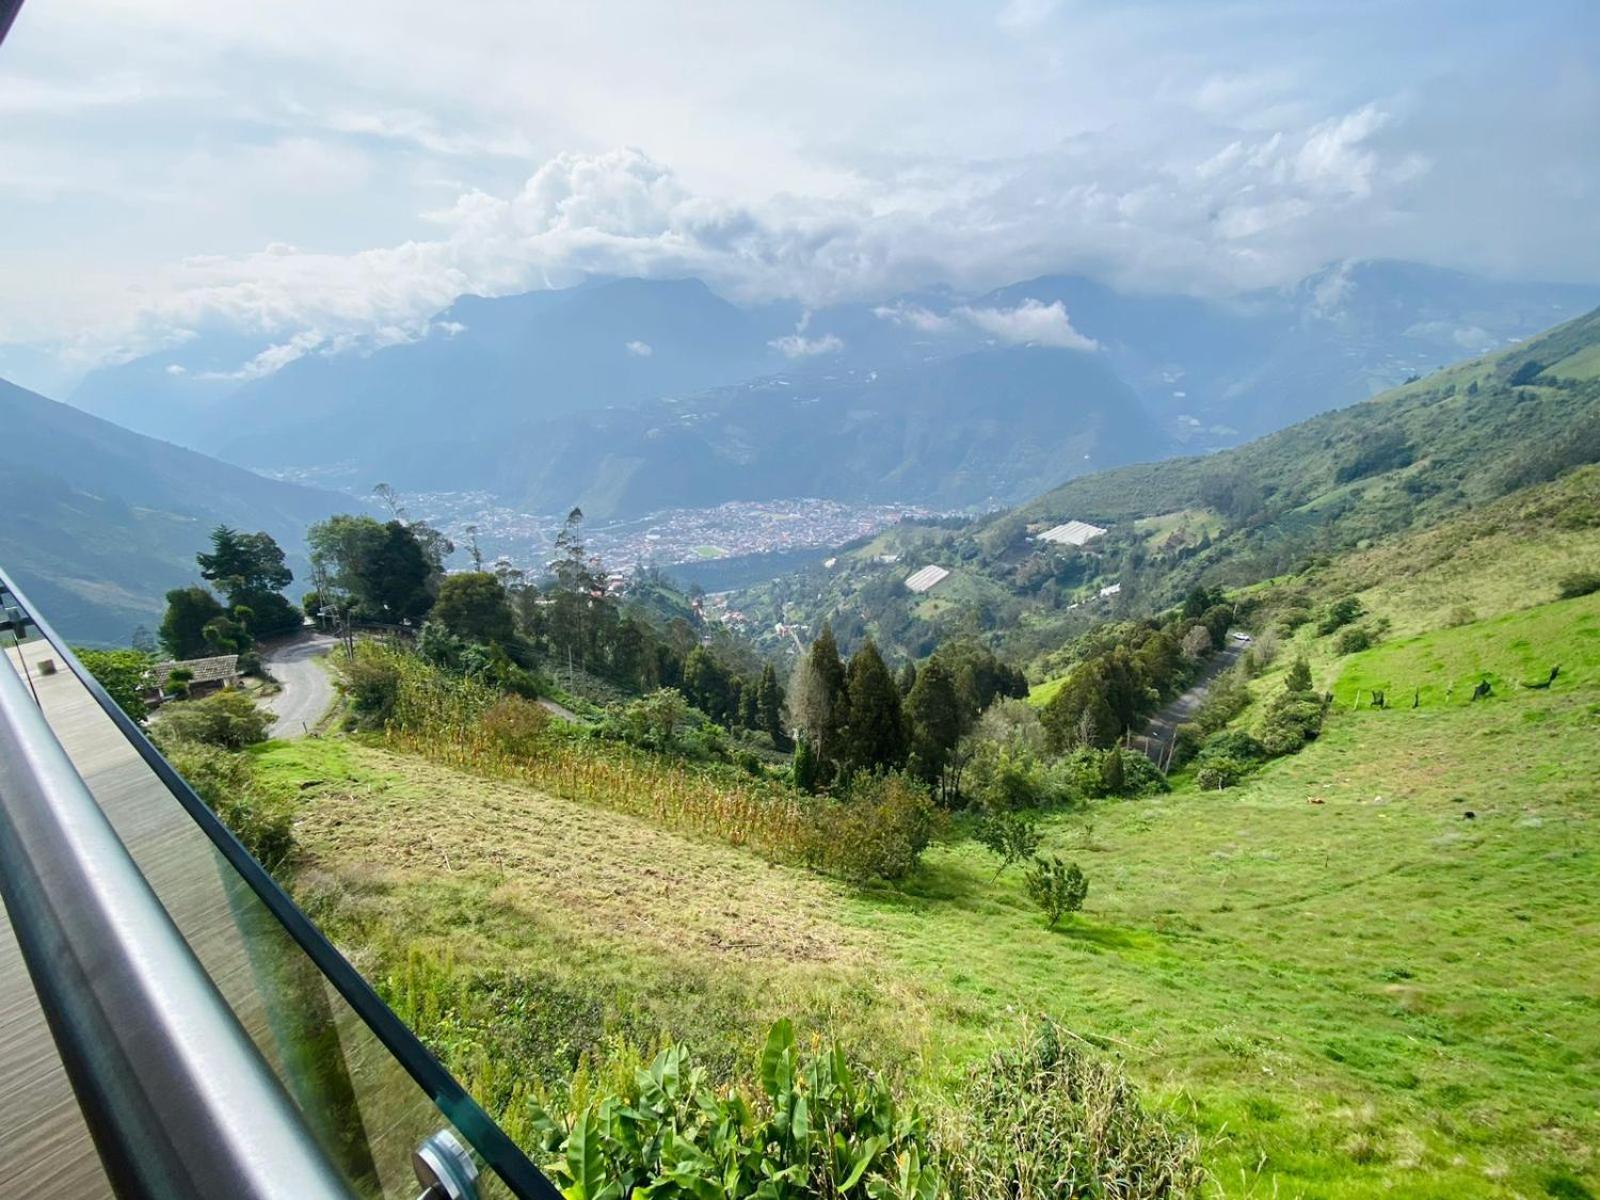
(123, 673)
(1220, 772)
(1057, 887)
(1292, 719)
(517, 726)
(1049, 1120)
(1339, 614)
(1232, 743)
(878, 831)
(1224, 700)
(1006, 778)
(1580, 583)
(226, 782)
(1010, 837)
(1187, 739)
(373, 685)
(1141, 777)
(229, 719)
(1353, 639)
(809, 1128)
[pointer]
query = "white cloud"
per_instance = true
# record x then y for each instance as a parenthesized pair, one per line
(1143, 145)
(914, 316)
(798, 345)
(275, 358)
(176, 369)
(640, 349)
(1030, 323)
(793, 345)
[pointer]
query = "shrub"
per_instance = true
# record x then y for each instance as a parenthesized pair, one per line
(1291, 720)
(226, 782)
(1010, 837)
(1232, 743)
(1353, 639)
(229, 719)
(123, 673)
(1003, 778)
(1225, 699)
(1187, 739)
(1057, 887)
(811, 1127)
(1220, 772)
(178, 681)
(516, 726)
(1049, 1120)
(1339, 614)
(1141, 777)
(878, 831)
(1579, 583)
(373, 685)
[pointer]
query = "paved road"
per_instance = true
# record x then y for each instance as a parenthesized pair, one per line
(1157, 737)
(307, 689)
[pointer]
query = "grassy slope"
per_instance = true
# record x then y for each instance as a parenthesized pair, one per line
(1349, 996)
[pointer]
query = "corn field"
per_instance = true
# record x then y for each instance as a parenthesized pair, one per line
(464, 724)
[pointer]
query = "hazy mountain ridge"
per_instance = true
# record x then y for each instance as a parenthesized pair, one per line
(100, 521)
(586, 394)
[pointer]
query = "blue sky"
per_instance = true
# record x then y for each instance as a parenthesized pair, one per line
(313, 171)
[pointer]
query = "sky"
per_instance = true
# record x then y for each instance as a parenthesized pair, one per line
(306, 171)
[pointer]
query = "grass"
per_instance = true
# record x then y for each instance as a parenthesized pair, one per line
(1346, 983)
(614, 930)
(1508, 651)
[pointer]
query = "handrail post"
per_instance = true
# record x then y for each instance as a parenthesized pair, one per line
(177, 1098)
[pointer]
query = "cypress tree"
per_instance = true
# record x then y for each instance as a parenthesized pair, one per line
(874, 730)
(933, 715)
(769, 703)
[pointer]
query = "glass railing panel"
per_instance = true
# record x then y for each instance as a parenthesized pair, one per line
(367, 1089)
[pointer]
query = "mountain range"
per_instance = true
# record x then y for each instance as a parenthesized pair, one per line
(628, 396)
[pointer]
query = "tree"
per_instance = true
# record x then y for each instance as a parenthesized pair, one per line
(378, 572)
(1197, 642)
(125, 675)
(817, 699)
(1299, 677)
(874, 728)
(769, 705)
(473, 607)
(933, 712)
(1009, 836)
(189, 610)
(1113, 773)
(249, 570)
(1057, 887)
(706, 683)
(908, 678)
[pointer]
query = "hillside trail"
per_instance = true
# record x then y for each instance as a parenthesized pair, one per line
(1155, 741)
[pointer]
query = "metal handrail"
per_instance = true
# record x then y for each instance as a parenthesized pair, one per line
(497, 1150)
(178, 1099)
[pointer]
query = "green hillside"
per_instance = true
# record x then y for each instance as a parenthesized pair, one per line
(1408, 459)
(1337, 974)
(100, 522)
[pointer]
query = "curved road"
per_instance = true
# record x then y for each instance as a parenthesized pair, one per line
(307, 689)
